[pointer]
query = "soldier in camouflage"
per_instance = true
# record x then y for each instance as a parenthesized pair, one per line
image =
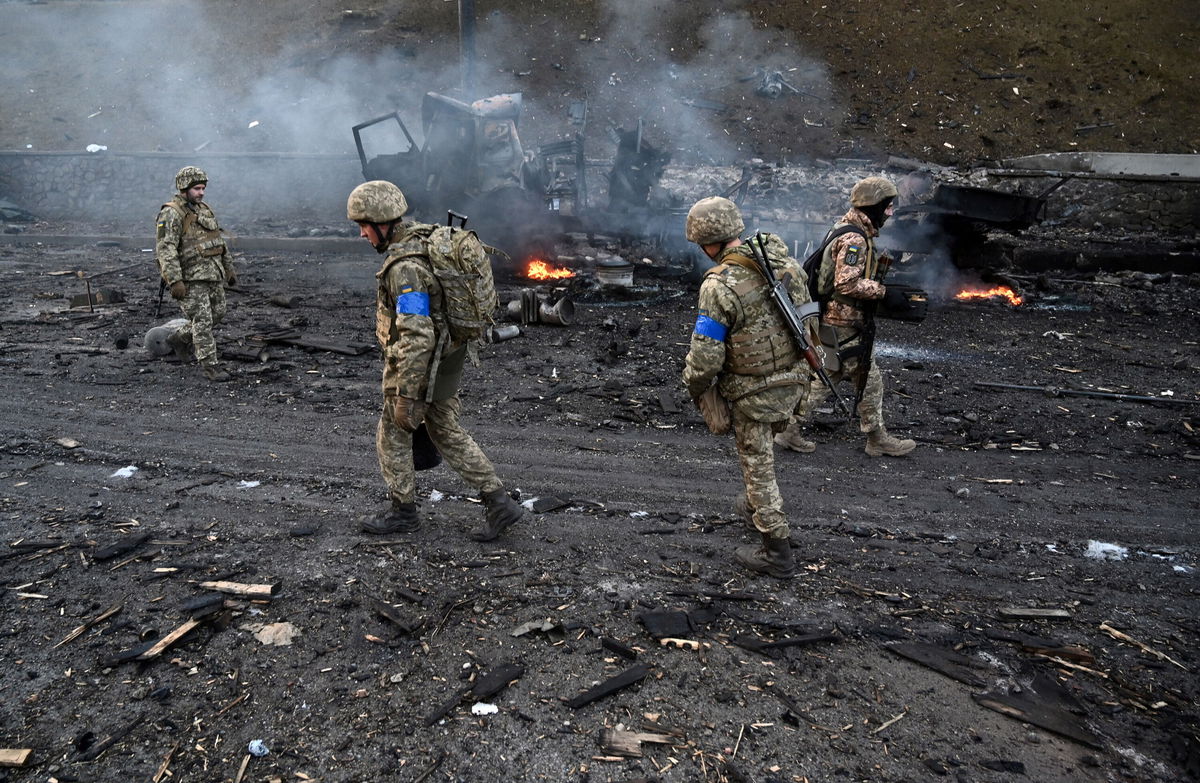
(742, 344)
(195, 266)
(421, 370)
(856, 270)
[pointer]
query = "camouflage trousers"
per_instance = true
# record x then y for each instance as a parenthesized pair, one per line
(870, 410)
(204, 307)
(756, 453)
(459, 449)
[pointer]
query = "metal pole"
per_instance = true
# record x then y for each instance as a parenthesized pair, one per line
(466, 46)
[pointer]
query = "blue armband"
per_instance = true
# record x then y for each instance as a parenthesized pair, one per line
(412, 303)
(709, 328)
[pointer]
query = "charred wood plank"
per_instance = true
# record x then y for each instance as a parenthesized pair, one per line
(446, 707)
(1029, 707)
(633, 674)
(496, 679)
(392, 615)
(953, 665)
(155, 648)
(92, 623)
(120, 547)
(95, 750)
(623, 650)
(756, 644)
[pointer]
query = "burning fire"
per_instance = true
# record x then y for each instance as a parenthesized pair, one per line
(541, 270)
(1013, 298)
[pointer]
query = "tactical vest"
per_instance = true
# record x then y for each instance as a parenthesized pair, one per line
(766, 347)
(201, 236)
(829, 266)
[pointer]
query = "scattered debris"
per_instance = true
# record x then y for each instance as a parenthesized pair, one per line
(620, 742)
(275, 634)
(1099, 550)
(14, 757)
(247, 591)
(633, 674)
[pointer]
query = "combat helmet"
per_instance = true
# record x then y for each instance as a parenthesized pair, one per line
(712, 220)
(377, 201)
(872, 190)
(188, 176)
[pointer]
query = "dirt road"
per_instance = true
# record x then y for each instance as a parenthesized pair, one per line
(939, 556)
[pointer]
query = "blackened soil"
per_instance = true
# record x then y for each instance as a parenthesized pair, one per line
(263, 480)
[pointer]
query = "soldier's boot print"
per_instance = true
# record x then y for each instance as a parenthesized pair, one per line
(501, 511)
(181, 345)
(744, 511)
(400, 518)
(216, 373)
(881, 443)
(772, 557)
(791, 438)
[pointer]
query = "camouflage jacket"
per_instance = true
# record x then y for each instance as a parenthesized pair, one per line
(188, 243)
(410, 323)
(741, 339)
(856, 272)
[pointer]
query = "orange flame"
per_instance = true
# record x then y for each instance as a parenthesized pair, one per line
(540, 270)
(999, 290)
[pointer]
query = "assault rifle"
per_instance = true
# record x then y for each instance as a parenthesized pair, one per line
(795, 320)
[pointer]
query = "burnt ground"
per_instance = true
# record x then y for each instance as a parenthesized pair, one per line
(262, 480)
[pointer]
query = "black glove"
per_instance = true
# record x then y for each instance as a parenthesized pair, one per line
(904, 303)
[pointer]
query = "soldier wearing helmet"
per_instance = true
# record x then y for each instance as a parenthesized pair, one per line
(422, 368)
(195, 265)
(742, 345)
(852, 272)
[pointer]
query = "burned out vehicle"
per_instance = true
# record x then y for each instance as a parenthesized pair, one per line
(471, 161)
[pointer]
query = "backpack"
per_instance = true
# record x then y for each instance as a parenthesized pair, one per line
(820, 280)
(460, 263)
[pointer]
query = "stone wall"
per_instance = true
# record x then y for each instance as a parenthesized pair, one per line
(108, 186)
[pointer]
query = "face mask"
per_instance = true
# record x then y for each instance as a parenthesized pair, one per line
(877, 213)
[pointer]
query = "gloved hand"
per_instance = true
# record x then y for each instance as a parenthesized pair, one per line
(715, 410)
(230, 277)
(178, 290)
(408, 413)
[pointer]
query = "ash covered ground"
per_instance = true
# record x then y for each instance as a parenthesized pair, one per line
(910, 648)
(1014, 501)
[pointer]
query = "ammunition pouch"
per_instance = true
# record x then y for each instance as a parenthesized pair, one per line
(903, 303)
(761, 352)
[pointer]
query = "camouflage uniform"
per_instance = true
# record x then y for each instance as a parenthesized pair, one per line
(420, 363)
(741, 340)
(190, 249)
(856, 270)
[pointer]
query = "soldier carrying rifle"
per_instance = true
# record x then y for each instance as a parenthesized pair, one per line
(745, 368)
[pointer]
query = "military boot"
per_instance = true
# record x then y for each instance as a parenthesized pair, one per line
(744, 511)
(216, 373)
(773, 557)
(400, 518)
(881, 443)
(500, 511)
(792, 439)
(181, 345)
